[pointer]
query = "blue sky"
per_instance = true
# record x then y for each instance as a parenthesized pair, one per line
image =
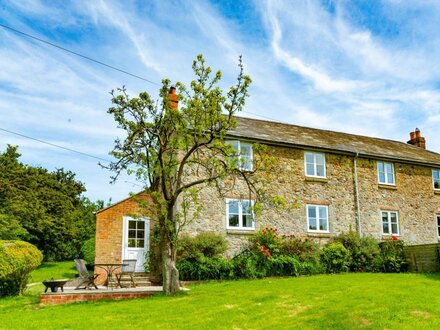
(362, 67)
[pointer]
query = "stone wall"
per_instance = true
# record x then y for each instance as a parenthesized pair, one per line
(423, 258)
(413, 197)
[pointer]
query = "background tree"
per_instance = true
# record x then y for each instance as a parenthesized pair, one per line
(44, 208)
(178, 152)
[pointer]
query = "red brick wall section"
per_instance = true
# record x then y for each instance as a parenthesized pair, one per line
(75, 297)
(109, 230)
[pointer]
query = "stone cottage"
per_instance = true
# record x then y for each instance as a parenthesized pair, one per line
(338, 181)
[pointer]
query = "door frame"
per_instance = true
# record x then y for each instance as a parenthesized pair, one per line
(125, 220)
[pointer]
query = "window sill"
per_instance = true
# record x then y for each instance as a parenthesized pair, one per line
(313, 179)
(387, 186)
(240, 231)
(436, 191)
(386, 237)
(320, 235)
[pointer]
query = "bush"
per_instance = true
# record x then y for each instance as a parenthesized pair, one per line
(265, 241)
(245, 265)
(204, 245)
(335, 257)
(208, 269)
(364, 251)
(305, 249)
(88, 251)
(392, 256)
(17, 260)
(284, 266)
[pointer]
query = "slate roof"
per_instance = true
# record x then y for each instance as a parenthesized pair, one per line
(269, 132)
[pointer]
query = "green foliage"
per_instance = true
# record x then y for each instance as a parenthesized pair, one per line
(305, 249)
(392, 256)
(153, 258)
(88, 251)
(206, 269)
(267, 241)
(245, 265)
(336, 258)
(203, 245)
(284, 265)
(17, 260)
(365, 251)
(43, 208)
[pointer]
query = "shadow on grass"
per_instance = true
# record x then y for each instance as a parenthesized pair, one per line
(432, 276)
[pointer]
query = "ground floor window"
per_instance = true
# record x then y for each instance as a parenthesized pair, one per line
(317, 218)
(437, 217)
(390, 223)
(239, 214)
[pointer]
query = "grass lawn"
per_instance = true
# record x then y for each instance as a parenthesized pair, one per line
(57, 270)
(348, 301)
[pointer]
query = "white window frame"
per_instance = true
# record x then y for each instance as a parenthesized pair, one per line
(389, 222)
(317, 207)
(240, 214)
(433, 179)
(314, 154)
(239, 155)
(386, 173)
(437, 224)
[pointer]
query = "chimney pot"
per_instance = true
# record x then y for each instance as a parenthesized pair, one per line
(418, 133)
(173, 98)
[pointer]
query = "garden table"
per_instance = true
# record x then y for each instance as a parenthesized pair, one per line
(109, 269)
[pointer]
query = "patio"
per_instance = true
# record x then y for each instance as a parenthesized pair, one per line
(103, 293)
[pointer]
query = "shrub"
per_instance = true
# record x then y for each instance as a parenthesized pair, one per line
(305, 249)
(247, 265)
(17, 260)
(365, 251)
(265, 241)
(88, 251)
(335, 257)
(208, 269)
(204, 245)
(284, 266)
(392, 256)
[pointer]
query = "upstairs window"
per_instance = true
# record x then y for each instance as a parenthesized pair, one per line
(385, 173)
(317, 218)
(314, 164)
(244, 155)
(436, 179)
(390, 223)
(239, 214)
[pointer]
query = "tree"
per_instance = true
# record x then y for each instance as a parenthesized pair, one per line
(44, 208)
(178, 152)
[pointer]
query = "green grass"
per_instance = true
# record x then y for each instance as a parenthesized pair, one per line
(48, 270)
(349, 301)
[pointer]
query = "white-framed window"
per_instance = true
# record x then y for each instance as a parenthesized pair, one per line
(437, 219)
(385, 173)
(390, 222)
(314, 164)
(239, 214)
(317, 218)
(244, 154)
(436, 179)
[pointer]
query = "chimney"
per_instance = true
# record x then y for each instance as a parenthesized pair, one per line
(416, 139)
(173, 98)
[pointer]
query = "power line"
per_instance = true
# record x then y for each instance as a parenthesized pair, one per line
(56, 145)
(78, 54)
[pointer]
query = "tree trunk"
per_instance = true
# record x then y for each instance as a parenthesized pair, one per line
(170, 273)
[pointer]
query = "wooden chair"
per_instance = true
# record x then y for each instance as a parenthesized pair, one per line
(127, 272)
(87, 280)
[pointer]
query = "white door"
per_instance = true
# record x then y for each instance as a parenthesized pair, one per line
(135, 242)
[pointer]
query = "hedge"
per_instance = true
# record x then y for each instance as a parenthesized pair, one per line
(17, 260)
